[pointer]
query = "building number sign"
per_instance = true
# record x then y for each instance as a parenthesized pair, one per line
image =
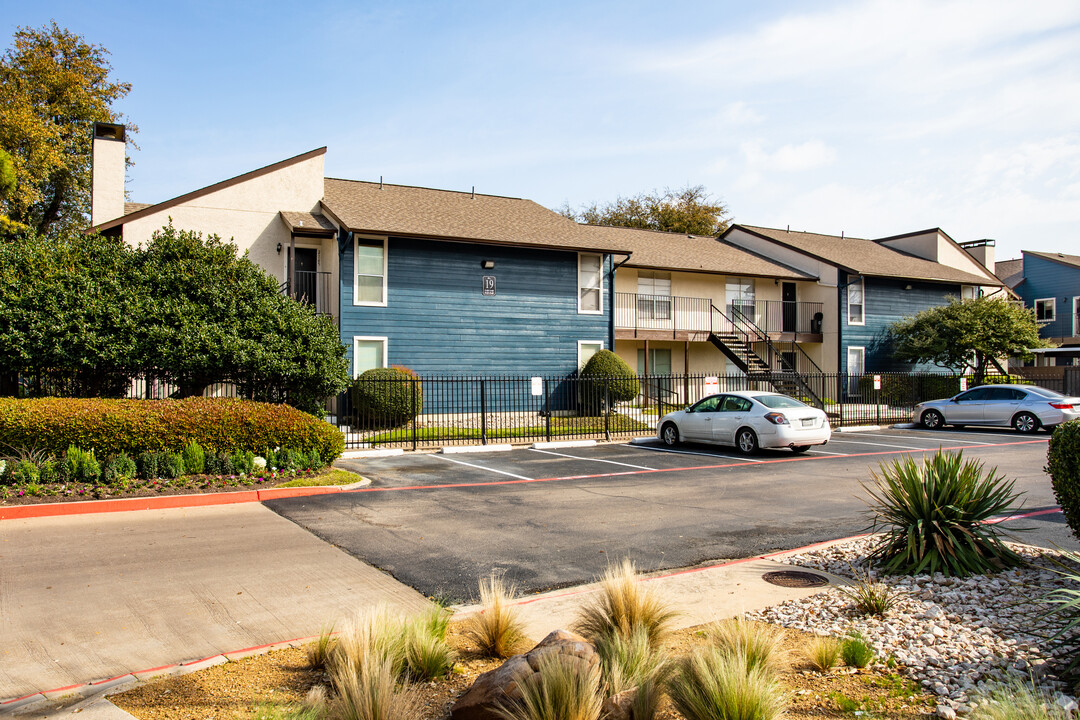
(489, 285)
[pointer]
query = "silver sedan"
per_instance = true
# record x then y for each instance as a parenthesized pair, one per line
(747, 420)
(1026, 408)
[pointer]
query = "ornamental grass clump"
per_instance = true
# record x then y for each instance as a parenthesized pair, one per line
(856, 651)
(371, 692)
(869, 596)
(934, 516)
(823, 653)
(711, 684)
(561, 689)
(1017, 701)
(497, 628)
(630, 664)
(622, 606)
(319, 652)
(758, 643)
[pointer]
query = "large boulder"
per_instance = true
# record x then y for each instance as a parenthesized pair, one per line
(503, 683)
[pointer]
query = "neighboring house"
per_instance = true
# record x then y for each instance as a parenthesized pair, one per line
(866, 285)
(1050, 283)
(438, 281)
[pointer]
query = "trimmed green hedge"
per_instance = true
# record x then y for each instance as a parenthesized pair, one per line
(383, 397)
(137, 426)
(622, 382)
(1063, 466)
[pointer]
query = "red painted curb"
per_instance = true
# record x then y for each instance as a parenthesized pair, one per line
(88, 507)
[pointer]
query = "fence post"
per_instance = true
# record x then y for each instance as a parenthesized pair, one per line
(483, 412)
(414, 414)
(877, 402)
(841, 388)
(607, 411)
(547, 415)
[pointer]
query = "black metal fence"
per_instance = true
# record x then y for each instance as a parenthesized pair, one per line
(459, 410)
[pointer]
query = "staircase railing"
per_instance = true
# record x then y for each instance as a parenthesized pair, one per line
(794, 366)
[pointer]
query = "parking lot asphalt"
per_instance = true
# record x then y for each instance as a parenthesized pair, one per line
(551, 518)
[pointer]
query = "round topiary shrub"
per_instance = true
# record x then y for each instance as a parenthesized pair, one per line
(384, 397)
(1063, 466)
(606, 368)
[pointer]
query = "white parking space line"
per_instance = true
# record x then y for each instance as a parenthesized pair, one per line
(824, 452)
(952, 433)
(892, 445)
(923, 437)
(691, 452)
(575, 457)
(481, 467)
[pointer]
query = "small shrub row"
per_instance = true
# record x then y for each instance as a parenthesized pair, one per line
(137, 426)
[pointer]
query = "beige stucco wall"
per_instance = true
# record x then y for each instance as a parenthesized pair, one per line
(247, 213)
(107, 180)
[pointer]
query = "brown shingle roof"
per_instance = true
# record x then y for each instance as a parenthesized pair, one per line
(312, 223)
(423, 212)
(690, 253)
(867, 257)
(130, 207)
(1062, 258)
(1011, 272)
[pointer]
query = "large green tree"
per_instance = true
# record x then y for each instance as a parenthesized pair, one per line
(186, 310)
(967, 335)
(691, 211)
(53, 87)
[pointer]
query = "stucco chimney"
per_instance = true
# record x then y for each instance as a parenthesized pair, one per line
(982, 251)
(107, 180)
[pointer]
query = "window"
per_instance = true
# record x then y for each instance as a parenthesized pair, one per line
(709, 404)
(368, 353)
(1044, 310)
(659, 361)
(369, 280)
(1076, 316)
(654, 295)
(856, 360)
(968, 292)
(586, 349)
(740, 296)
(589, 283)
(856, 293)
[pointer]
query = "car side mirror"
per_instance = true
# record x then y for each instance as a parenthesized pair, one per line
(952, 399)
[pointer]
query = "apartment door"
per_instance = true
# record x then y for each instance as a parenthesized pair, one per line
(790, 307)
(307, 261)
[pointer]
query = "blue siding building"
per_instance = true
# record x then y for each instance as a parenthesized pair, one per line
(1050, 283)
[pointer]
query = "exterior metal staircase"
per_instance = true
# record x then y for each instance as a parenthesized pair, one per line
(754, 353)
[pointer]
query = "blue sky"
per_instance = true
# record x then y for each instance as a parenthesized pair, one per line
(871, 118)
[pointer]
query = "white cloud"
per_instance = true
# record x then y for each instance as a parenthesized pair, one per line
(788, 158)
(740, 113)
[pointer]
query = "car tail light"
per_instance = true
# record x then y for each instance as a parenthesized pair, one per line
(776, 418)
(1061, 406)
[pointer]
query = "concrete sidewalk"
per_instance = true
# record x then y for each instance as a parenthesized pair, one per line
(93, 597)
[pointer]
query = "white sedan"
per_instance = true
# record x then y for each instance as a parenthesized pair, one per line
(747, 420)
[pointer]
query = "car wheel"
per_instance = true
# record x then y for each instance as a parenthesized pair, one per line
(746, 441)
(932, 420)
(799, 449)
(1025, 423)
(669, 434)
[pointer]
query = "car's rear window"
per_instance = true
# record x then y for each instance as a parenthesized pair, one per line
(778, 401)
(1044, 392)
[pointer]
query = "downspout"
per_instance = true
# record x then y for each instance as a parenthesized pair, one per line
(611, 303)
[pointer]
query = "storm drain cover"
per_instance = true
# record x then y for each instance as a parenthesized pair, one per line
(795, 579)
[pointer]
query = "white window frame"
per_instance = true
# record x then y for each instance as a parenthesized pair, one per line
(862, 306)
(861, 351)
(359, 240)
(969, 292)
(1053, 309)
(600, 294)
(1076, 316)
(370, 338)
(586, 342)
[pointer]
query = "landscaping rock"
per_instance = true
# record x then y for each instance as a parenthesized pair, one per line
(503, 683)
(619, 706)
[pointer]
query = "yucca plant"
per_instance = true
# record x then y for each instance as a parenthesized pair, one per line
(758, 643)
(935, 516)
(561, 689)
(856, 651)
(823, 653)
(497, 628)
(711, 684)
(622, 606)
(630, 664)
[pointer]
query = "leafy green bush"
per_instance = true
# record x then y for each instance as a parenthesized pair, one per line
(24, 472)
(146, 465)
(171, 465)
(934, 516)
(136, 426)
(118, 469)
(82, 465)
(47, 471)
(212, 464)
(383, 397)
(1063, 466)
(194, 458)
(606, 369)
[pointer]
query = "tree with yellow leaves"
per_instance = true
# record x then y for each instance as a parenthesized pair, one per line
(53, 87)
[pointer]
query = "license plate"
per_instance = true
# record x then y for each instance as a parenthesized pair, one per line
(807, 422)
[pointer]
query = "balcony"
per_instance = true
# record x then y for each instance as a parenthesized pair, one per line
(312, 288)
(670, 317)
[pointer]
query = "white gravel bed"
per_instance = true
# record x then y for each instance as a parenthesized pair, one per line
(957, 636)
